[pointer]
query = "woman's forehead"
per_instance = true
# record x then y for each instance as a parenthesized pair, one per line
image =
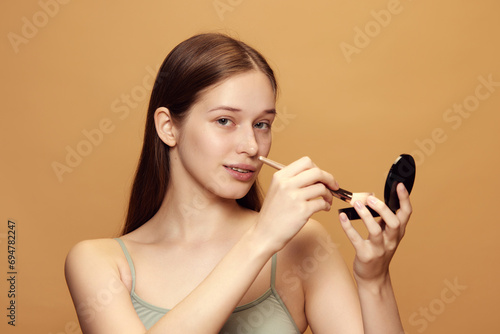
(251, 89)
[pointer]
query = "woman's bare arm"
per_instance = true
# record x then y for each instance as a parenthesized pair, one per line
(371, 264)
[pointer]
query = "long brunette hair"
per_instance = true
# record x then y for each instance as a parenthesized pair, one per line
(192, 66)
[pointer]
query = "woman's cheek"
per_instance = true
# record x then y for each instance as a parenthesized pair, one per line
(216, 142)
(265, 144)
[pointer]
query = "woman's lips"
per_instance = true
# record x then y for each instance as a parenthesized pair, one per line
(240, 172)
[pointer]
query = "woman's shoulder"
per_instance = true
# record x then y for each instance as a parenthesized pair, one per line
(95, 253)
(93, 247)
(97, 260)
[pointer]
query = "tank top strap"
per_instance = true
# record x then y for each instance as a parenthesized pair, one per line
(273, 270)
(129, 260)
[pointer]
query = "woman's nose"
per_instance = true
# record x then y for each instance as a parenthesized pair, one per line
(248, 143)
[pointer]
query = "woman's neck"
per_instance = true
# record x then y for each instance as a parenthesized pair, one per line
(194, 215)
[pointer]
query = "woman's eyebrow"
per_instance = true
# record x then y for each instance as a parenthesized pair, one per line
(228, 108)
(224, 108)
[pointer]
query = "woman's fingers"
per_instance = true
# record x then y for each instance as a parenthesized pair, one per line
(319, 204)
(298, 166)
(315, 175)
(302, 180)
(300, 188)
(304, 172)
(317, 190)
(374, 254)
(405, 210)
(391, 223)
(374, 228)
(350, 231)
(386, 233)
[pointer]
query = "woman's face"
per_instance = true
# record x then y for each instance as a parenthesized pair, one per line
(225, 132)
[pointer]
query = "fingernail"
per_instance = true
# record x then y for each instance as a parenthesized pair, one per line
(372, 200)
(358, 204)
(343, 217)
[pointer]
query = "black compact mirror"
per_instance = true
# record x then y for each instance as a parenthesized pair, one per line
(402, 171)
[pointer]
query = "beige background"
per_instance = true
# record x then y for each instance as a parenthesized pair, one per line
(71, 67)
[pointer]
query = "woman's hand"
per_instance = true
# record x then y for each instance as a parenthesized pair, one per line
(296, 192)
(374, 254)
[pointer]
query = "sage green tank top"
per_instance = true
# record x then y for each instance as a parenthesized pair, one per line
(265, 315)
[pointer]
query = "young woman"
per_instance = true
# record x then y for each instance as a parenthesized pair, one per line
(199, 253)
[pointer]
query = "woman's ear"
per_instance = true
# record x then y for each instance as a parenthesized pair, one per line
(165, 127)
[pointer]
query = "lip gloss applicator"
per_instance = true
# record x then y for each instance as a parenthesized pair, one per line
(341, 194)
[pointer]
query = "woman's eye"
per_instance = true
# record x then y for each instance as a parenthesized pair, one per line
(223, 121)
(262, 125)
